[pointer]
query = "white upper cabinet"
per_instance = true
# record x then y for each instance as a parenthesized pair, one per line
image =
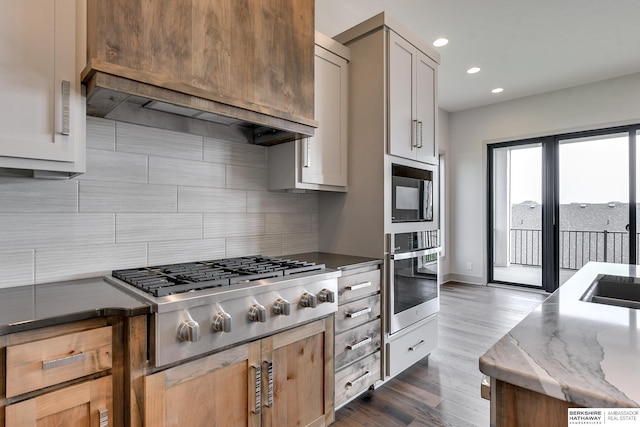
(43, 117)
(412, 102)
(318, 162)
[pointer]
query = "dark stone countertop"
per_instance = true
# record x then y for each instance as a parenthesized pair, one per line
(35, 306)
(335, 261)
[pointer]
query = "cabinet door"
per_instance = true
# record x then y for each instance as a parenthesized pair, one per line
(217, 390)
(87, 404)
(302, 380)
(426, 109)
(324, 156)
(403, 125)
(37, 121)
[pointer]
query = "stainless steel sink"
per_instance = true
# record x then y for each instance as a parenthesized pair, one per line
(607, 289)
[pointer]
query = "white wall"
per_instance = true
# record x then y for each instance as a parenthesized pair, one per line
(598, 105)
(444, 142)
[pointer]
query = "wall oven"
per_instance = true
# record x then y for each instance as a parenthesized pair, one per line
(412, 194)
(414, 288)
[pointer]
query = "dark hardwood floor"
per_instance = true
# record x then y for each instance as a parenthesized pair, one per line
(444, 390)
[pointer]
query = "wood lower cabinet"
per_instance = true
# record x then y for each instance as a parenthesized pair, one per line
(217, 390)
(516, 406)
(86, 404)
(358, 333)
(285, 379)
(64, 375)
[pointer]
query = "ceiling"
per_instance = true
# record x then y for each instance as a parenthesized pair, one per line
(526, 47)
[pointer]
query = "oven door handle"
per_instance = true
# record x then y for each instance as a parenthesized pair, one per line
(415, 254)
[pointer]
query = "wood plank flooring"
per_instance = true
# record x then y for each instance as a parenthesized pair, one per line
(444, 389)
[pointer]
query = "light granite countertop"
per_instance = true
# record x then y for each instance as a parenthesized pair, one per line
(582, 352)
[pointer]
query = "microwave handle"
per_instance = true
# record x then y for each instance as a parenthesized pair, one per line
(414, 254)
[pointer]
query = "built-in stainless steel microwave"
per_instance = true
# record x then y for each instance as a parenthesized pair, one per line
(412, 194)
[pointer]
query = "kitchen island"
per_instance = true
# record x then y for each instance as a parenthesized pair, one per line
(567, 353)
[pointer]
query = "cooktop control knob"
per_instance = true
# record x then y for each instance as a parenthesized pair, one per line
(326, 295)
(189, 330)
(282, 306)
(308, 300)
(221, 322)
(257, 313)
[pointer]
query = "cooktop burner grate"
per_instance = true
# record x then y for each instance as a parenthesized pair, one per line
(172, 279)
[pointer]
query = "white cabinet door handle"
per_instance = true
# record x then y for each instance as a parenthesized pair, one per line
(66, 99)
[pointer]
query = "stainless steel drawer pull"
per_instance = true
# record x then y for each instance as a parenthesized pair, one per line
(258, 388)
(63, 361)
(307, 153)
(358, 286)
(268, 366)
(359, 379)
(415, 346)
(359, 312)
(104, 417)
(360, 343)
(66, 98)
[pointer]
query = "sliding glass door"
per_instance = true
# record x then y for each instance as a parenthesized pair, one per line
(593, 194)
(556, 203)
(516, 228)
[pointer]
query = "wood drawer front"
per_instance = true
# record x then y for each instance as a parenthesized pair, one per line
(356, 343)
(357, 313)
(43, 363)
(357, 377)
(358, 285)
(416, 344)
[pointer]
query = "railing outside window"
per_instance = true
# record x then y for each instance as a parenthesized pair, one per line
(576, 247)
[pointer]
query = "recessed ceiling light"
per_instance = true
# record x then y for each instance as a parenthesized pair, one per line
(440, 42)
(497, 90)
(473, 70)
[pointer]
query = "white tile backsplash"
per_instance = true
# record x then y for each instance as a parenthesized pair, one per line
(17, 268)
(234, 153)
(200, 199)
(101, 133)
(103, 165)
(151, 227)
(233, 225)
(158, 142)
(272, 202)
(79, 262)
(254, 245)
(247, 178)
(287, 223)
(104, 196)
(299, 243)
(164, 170)
(39, 230)
(185, 251)
(30, 195)
(149, 197)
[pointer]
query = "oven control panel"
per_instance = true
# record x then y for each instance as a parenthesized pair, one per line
(229, 320)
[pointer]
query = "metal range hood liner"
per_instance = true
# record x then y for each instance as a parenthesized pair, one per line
(121, 99)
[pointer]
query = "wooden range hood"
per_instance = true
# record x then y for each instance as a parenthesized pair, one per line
(237, 64)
